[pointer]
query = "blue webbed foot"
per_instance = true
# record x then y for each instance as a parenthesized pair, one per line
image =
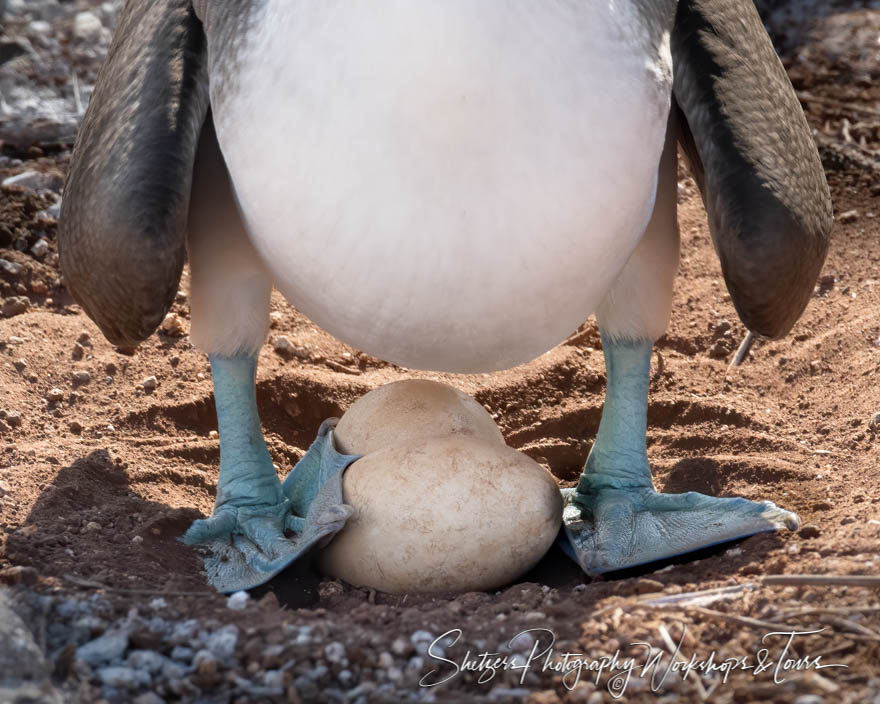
(615, 518)
(612, 529)
(259, 525)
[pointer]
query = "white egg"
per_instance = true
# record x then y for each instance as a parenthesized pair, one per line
(412, 409)
(454, 513)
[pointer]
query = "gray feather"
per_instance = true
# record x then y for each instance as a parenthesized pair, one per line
(754, 159)
(123, 217)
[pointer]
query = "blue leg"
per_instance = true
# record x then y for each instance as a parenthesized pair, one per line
(260, 526)
(249, 498)
(615, 518)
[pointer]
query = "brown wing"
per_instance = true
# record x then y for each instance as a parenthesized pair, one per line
(754, 158)
(123, 216)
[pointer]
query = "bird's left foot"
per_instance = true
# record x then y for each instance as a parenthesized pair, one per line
(613, 528)
(245, 546)
(261, 525)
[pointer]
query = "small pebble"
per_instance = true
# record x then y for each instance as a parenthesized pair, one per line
(237, 601)
(75, 427)
(13, 418)
(335, 652)
(123, 677)
(93, 526)
(282, 345)
(421, 639)
(723, 327)
(848, 216)
(84, 339)
(401, 646)
(150, 383)
(54, 395)
(810, 531)
(81, 377)
(173, 325)
(107, 648)
(223, 641)
(809, 699)
(40, 248)
(718, 350)
(15, 305)
(11, 268)
(87, 27)
(647, 586)
(275, 318)
(78, 351)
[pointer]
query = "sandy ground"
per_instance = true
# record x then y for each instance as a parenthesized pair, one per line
(100, 474)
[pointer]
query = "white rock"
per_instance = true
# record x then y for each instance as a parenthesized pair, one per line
(106, 648)
(335, 652)
(238, 601)
(148, 660)
(39, 27)
(40, 248)
(13, 268)
(274, 679)
(109, 13)
(401, 646)
(421, 638)
(184, 632)
(223, 641)
(173, 325)
(123, 677)
(87, 27)
(150, 383)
